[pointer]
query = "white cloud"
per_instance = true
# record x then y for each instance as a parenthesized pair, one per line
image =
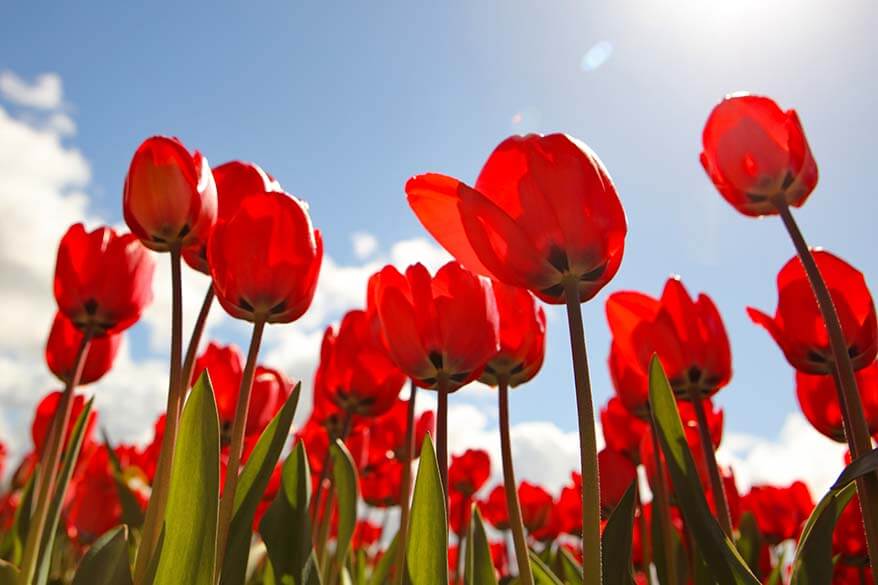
(45, 92)
(364, 244)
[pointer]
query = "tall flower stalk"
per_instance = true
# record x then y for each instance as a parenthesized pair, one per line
(405, 487)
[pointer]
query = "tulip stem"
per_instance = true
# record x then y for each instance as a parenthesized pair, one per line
(155, 510)
(642, 525)
(49, 464)
(406, 487)
(442, 435)
(194, 341)
(856, 429)
(716, 481)
(591, 499)
(227, 502)
(662, 507)
(525, 577)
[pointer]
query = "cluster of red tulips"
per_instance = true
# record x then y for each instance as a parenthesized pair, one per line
(222, 495)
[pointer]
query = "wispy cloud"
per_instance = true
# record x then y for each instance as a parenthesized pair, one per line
(45, 92)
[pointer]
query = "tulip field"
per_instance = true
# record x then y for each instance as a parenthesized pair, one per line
(229, 492)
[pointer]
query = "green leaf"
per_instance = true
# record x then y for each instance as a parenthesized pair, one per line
(106, 562)
(8, 573)
(132, 515)
(13, 541)
(188, 553)
(749, 541)
(570, 566)
(252, 482)
(427, 551)
(719, 552)
(381, 574)
(68, 462)
(857, 468)
(479, 565)
(681, 559)
(344, 479)
(286, 525)
(616, 541)
(813, 563)
(542, 574)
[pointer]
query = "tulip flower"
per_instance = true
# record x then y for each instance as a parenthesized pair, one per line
(469, 471)
(570, 506)
(818, 399)
(619, 472)
(440, 330)
(270, 389)
(780, 512)
(755, 152)
(357, 373)
(62, 348)
(759, 160)
(169, 200)
(45, 414)
(543, 215)
(366, 535)
(103, 280)
(536, 506)
(690, 340)
(623, 431)
(847, 537)
(380, 483)
(798, 327)
(3, 455)
(494, 508)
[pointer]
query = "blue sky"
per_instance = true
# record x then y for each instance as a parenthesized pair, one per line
(343, 101)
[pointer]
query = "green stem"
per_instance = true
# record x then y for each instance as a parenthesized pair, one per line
(155, 511)
(591, 499)
(662, 507)
(525, 577)
(227, 503)
(645, 560)
(406, 487)
(49, 464)
(716, 480)
(194, 341)
(442, 435)
(856, 429)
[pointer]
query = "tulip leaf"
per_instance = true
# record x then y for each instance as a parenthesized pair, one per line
(479, 564)
(427, 551)
(542, 574)
(68, 462)
(132, 515)
(381, 574)
(12, 546)
(252, 483)
(106, 562)
(749, 542)
(188, 552)
(719, 552)
(8, 573)
(286, 525)
(570, 566)
(345, 482)
(616, 541)
(857, 468)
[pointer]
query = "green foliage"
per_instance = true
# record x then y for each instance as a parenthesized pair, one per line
(188, 551)
(344, 478)
(427, 552)
(726, 564)
(542, 574)
(381, 574)
(479, 564)
(616, 541)
(132, 515)
(106, 562)
(12, 545)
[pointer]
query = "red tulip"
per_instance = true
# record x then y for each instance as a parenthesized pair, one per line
(9, 503)
(536, 507)
(387, 433)
(469, 471)
(271, 491)
(459, 512)
(857, 573)
(688, 336)
(380, 483)
(44, 414)
(95, 506)
(779, 512)
(569, 506)
(848, 539)
(754, 152)
(3, 454)
(494, 508)
(357, 374)
(522, 337)
(366, 535)
(234, 181)
(622, 430)
(62, 348)
(270, 388)
(170, 195)
(616, 472)
(445, 325)
(102, 280)
(543, 210)
(265, 259)
(818, 399)
(499, 557)
(798, 326)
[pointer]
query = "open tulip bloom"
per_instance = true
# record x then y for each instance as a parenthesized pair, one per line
(220, 495)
